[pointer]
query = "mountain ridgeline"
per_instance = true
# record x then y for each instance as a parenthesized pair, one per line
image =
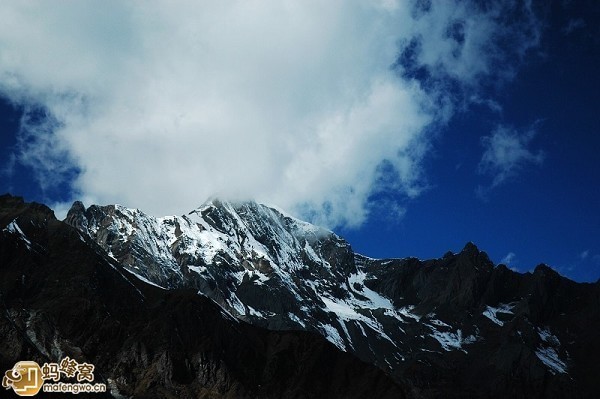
(63, 295)
(240, 299)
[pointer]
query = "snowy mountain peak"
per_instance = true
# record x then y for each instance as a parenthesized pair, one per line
(252, 214)
(250, 239)
(438, 321)
(268, 268)
(258, 263)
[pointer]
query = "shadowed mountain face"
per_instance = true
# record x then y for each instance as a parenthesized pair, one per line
(503, 334)
(62, 295)
(136, 295)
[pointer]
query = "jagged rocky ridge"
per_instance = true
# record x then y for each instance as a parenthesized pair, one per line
(453, 326)
(61, 294)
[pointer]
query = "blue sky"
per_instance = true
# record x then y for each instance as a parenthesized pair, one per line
(544, 213)
(408, 128)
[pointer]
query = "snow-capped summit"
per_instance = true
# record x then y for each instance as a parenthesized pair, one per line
(258, 263)
(251, 238)
(63, 298)
(275, 271)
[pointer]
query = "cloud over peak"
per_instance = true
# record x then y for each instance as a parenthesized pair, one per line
(161, 105)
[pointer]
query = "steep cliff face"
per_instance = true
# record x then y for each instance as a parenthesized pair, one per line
(63, 295)
(453, 326)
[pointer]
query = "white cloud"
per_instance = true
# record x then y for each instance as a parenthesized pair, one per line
(506, 152)
(492, 105)
(163, 104)
(466, 41)
(509, 259)
(583, 255)
(47, 157)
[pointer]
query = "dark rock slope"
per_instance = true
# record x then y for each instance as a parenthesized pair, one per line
(504, 334)
(62, 295)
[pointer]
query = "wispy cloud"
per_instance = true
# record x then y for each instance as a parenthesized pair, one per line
(38, 149)
(506, 153)
(573, 25)
(589, 256)
(162, 104)
(509, 259)
(8, 169)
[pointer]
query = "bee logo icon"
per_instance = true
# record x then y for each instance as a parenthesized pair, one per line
(25, 378)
